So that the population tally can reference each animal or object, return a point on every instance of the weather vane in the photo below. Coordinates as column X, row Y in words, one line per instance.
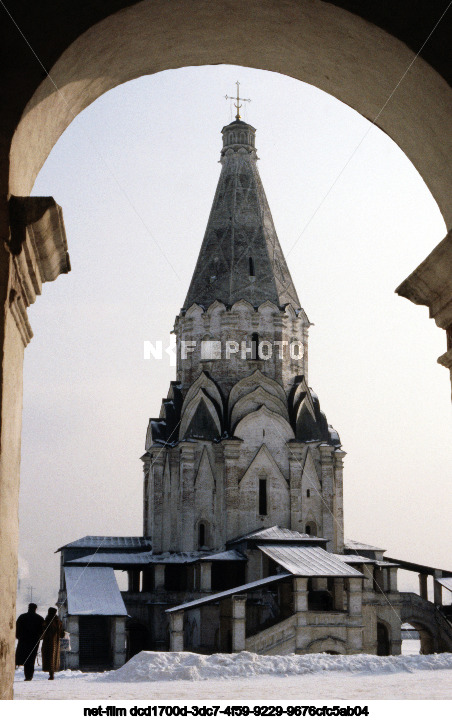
column 237, row 105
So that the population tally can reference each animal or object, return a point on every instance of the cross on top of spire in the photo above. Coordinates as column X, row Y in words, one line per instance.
column 237, row 105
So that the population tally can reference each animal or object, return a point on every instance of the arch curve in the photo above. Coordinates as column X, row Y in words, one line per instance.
column 145, row 38
column 327, row 644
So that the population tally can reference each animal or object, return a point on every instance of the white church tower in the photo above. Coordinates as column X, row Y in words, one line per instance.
column 243, row 545
column 241, row 442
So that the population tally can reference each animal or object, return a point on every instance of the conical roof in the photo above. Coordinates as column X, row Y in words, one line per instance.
column 240, row 256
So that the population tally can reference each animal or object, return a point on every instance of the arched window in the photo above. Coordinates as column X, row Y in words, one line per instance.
column 311, row 528
column 251, row 267
column 308, row 530
column 202, row 535
column 262, row 496
column 255, row 346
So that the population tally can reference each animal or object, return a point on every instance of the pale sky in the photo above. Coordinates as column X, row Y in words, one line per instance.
column 135, row 174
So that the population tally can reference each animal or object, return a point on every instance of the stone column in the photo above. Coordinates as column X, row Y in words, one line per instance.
column 176, row 631
column 147, row 494
column 159, row 576
column 225, row 625
column 133, row 576
column 187, row 485
column 34, row 252
column 119, row 641
column 379, row 579
column 238, row 623
column 328, row 524
column 355, row 596
column 338, row 594
column 368, row 571
column 338, row 500
column 319, row 584
column 300, row 593
column 155, row 501
column 392, row 580
column 423, row 586
column 205, row 582
column 73, row 661
column 232, row 474
column 306, row 351
column 437, row 590
column 295, row 453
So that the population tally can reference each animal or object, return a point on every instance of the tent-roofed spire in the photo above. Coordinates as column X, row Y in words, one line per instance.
column 240, row 257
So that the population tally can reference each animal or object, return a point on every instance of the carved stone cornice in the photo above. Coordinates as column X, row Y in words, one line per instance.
column 39, row 250
column 431, row 283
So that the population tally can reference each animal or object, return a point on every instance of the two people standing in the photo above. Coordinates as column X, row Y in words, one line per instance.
column 31, row 628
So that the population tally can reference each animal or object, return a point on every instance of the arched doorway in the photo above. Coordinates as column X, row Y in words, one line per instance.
column 427, row 640
column 383, row 639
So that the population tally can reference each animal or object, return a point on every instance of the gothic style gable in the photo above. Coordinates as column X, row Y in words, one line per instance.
column 263, row 462
column 210, row 388
column 204, row 478
column 254, row 400
column 263, row 494
column 264, row 421
column 308, row 420
column 200, row 418
column 250, row 383
column 311, row 492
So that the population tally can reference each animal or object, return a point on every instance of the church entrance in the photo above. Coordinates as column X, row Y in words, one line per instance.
column 94, row 642
column 383, row 646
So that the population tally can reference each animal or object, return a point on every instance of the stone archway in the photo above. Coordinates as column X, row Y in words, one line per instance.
column 427, row 636
column 328, row 644
column 383, row 639
column 107, row 43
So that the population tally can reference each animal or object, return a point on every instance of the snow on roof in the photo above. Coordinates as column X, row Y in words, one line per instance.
column 110, row 542
column 146, row 558
column 276, row 533
column 93, row 592
column 224, row 556
column 352, row 558
column 445, row 582
column 183, row 557
column 230, row 592
column 357, row 546
column 309, row 561
column 111, row 559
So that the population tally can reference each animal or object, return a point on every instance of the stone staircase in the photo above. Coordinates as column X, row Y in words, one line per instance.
column 427, row 617
column 278, row 639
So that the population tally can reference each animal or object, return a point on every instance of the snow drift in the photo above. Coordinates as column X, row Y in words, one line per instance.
column 172, row 666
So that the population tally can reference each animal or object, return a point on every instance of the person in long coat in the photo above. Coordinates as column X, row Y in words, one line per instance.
column 28, row 632
column 50, row 651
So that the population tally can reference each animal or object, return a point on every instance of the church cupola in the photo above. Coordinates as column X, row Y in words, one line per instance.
column 238, row 137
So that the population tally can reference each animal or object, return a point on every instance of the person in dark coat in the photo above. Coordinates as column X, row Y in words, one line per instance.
column 28, row 632
column 50, row 651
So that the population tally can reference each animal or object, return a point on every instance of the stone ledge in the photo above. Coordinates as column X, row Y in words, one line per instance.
column 38, row 245
column 431, row 283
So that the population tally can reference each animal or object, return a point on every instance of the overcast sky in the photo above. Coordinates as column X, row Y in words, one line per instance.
column 135, row 174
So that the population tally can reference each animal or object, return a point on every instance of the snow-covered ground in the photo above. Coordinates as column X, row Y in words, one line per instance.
column 245, row 675
column 410, row 646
